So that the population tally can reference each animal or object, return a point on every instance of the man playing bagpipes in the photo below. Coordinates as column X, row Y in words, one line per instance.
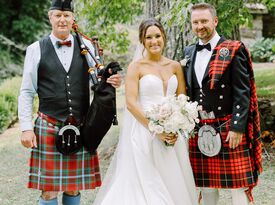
column 57, row 71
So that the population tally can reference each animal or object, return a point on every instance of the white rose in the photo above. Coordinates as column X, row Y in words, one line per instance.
column 155, row 128
column 182, row 97
column 165, row 110
column 184, row 61
column 191, row 108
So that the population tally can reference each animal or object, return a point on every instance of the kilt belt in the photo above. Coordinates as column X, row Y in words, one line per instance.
column 231, row 168
column 53, row 171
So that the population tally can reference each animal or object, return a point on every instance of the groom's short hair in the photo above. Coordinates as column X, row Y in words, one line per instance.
column 203, row 6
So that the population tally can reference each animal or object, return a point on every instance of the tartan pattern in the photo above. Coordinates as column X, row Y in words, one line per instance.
column 52, row 171
column 219, row 63
column 254, row 128
column 231, row 168
column 250, row 155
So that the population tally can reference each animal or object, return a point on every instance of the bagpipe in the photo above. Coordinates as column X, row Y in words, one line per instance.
column 102, row 110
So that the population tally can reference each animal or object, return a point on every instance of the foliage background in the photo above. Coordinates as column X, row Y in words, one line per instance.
column 25, row 21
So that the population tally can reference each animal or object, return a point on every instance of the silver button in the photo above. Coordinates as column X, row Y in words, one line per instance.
column 222, row 85
column 69, row 92
column 70, row 108
column 200, row 100
column 70, row 100
column 68, row 76
column 219, row 108
column 235, row 122
column 221, row 96
column 238, row 114
column 200, row 95
column 68, row 84
column 201, row 90
column 238, row 107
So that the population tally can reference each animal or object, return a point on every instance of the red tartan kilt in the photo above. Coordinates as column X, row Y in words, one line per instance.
column 52, row 171
column 231, row 168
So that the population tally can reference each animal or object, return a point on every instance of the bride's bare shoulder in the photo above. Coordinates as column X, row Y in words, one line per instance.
column 137, row 64
column 171, row 62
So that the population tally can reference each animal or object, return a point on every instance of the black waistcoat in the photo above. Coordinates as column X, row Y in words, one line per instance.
column 218, row 100
column 61, row 93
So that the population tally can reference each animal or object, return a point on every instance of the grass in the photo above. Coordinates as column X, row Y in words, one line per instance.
column 265, row 82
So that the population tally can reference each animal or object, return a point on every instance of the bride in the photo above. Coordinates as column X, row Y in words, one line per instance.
column 144, row 171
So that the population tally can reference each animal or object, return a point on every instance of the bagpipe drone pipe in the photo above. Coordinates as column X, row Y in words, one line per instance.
column 102, row 110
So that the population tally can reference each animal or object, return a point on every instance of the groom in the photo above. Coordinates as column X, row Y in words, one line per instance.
column 226, row 152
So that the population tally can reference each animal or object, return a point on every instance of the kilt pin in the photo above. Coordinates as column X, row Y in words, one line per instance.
column 230, row 168
column 52, row 171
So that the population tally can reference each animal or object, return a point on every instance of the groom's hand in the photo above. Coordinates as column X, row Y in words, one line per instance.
column 234, row 139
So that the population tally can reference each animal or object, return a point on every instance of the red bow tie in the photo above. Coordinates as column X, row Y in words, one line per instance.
column 63, row 43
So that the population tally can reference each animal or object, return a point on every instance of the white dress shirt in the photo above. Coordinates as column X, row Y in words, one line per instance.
column 29, row 81
column 203, row 57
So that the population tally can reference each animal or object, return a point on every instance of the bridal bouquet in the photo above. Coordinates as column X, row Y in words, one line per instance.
column 174, row 114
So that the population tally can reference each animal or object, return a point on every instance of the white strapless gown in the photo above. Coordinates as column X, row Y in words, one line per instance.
column 143, row 170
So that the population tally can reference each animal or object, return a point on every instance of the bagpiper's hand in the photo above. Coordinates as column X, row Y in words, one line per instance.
column 115, row 80
column 234, row 139
column 28, row 139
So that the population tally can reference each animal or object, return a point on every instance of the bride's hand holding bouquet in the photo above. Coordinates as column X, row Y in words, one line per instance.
column 168, row 139
column 173, row 116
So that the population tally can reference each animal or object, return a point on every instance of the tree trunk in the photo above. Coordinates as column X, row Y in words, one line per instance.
column 176, row 38
column 236, row 33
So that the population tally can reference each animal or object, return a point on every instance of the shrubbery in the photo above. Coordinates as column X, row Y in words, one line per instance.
column 263, row 50
column 9, row 91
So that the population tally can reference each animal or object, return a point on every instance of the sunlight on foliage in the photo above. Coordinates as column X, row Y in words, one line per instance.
column 102, row 17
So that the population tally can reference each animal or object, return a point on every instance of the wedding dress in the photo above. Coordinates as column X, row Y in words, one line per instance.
column 143, row 170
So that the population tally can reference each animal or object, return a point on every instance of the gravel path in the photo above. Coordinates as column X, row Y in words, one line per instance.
column 14, row 169
column 14, row 173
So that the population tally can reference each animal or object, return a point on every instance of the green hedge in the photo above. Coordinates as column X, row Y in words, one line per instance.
column 263, row 50
column 9, row 91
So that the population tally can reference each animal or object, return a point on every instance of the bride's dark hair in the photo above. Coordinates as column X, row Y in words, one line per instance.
column 145, row 24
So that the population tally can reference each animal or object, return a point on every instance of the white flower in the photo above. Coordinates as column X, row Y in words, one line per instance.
column 183, row 98
column 172, row 115
column 155, row 127
column 184, row 61
column 165, row 110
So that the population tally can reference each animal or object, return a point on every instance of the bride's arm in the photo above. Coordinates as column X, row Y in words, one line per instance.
column 131, row 92
column 181, row 80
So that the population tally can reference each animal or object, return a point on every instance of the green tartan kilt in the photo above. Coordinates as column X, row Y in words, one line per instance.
column 52, row 171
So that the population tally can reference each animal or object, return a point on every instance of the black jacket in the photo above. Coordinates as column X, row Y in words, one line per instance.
column 232, row 93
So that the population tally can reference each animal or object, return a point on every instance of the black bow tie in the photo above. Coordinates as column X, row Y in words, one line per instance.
column 200, row 47
column 63, row 43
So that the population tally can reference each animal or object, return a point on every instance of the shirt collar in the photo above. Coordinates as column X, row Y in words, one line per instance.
column 213, row 41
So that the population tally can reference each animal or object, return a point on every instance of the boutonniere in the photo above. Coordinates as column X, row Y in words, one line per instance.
column 185, row 61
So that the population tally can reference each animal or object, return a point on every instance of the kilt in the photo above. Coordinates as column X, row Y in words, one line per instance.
column 52, row 171
column 231, row 168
